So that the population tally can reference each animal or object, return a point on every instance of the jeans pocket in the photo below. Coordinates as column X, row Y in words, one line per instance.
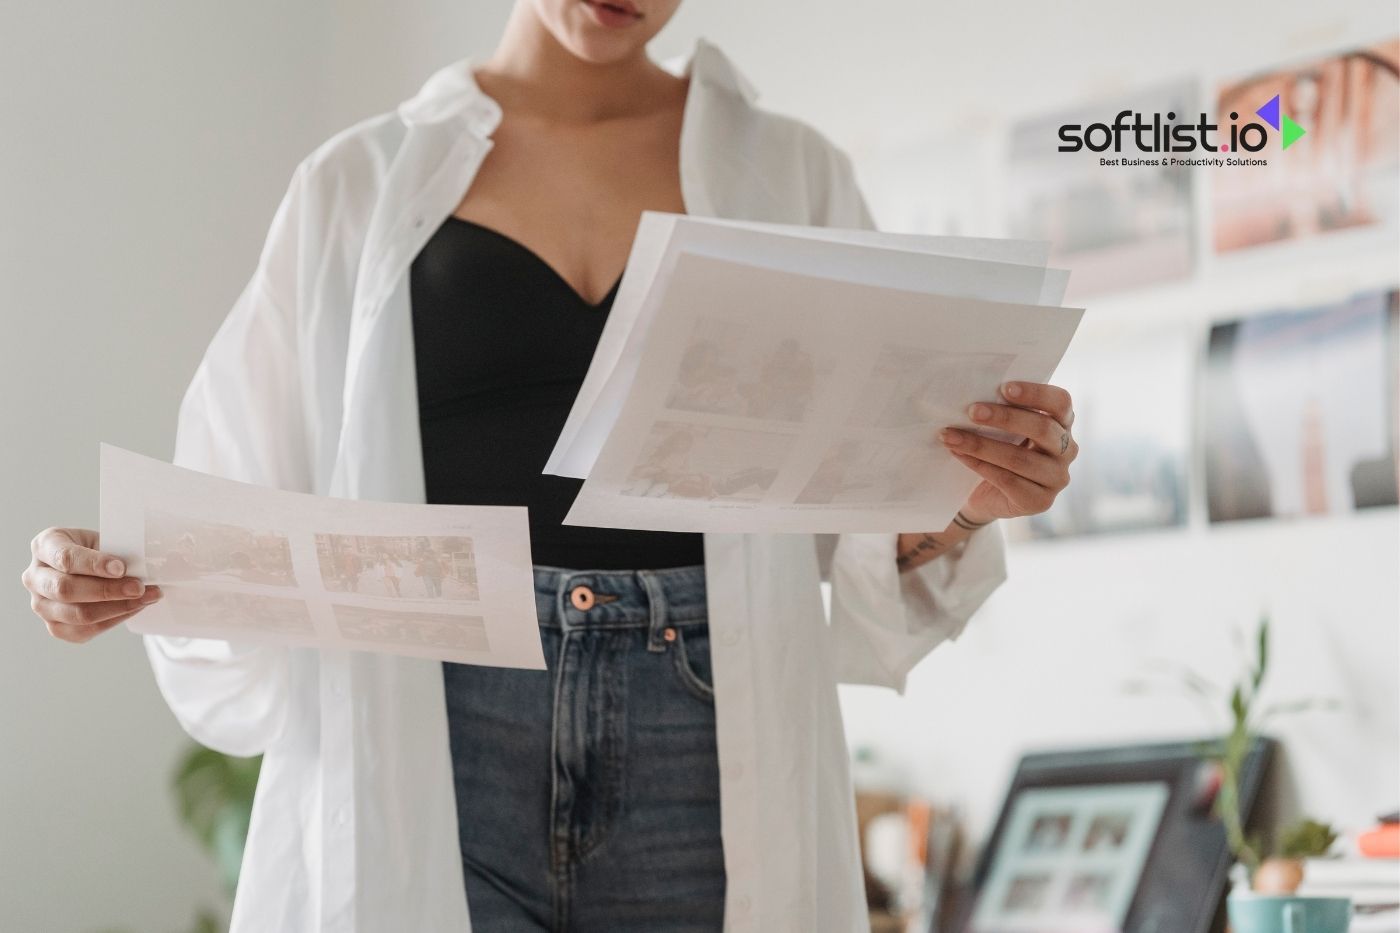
column 691, row 653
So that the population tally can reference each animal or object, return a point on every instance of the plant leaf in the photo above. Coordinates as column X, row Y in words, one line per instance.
column 214, row 797
column 1306, row 839
column 1262, row 664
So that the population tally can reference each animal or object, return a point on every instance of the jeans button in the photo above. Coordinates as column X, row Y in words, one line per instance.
column 582, row 598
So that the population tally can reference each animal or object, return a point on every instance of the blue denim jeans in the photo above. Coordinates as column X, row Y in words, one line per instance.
column 588, row 793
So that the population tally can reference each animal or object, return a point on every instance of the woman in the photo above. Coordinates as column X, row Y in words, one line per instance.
column 419, row 318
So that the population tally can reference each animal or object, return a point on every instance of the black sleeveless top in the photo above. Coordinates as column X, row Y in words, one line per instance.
column 502, row 344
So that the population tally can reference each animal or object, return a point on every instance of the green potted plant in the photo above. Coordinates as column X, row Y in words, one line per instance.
column 1270, row 870
column 1282, row 872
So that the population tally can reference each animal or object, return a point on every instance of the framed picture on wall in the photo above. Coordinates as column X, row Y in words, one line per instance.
column 1117, row 228
column 1341, row 173
column 1299, row 411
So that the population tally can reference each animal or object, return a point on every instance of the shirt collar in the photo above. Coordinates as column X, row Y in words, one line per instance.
column 452, row 90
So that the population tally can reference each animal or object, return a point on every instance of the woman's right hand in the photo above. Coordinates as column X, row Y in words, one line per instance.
column 77, row 590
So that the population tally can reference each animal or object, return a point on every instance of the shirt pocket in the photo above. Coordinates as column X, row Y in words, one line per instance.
column 690, row 653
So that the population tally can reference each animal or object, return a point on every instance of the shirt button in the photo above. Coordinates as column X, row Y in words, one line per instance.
column 417, row 222
column 341, row 816
column 730, row 637
column 582, row 598
column 734, row 770
column 742, row 903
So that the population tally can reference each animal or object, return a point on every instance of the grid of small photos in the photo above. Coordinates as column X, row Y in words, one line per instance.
column 384, row 588
column 1070, row 859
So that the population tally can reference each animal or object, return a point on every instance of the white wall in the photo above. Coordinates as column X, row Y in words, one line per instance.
column 145, row 147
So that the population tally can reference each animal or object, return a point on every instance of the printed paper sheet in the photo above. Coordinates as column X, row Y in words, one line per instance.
column 972, row 267
column 251, row 564
column 772, row 401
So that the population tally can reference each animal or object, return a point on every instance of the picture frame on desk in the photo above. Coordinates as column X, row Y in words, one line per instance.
column 1120, row 839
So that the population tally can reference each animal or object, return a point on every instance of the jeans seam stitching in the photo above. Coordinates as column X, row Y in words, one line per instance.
column 689, row 678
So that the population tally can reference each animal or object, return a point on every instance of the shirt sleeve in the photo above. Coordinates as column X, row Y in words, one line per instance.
column 884, row 622
column 242, row 418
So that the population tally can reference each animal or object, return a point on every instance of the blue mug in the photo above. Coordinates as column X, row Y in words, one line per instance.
column 1262, row 913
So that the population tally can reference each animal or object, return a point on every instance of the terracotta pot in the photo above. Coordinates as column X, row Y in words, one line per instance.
column 1278, row 876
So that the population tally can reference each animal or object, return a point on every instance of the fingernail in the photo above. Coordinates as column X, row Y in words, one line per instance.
column 950, row 437
column 151, row 595
column 133, row 588
column 979, row 412
column 1011, row 390
column 115, row 567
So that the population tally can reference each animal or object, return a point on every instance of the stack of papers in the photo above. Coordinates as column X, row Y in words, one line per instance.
column 1372, row 884
column 768, row 378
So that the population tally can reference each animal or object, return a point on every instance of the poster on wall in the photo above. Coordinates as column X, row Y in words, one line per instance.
column 1338, row 118
column 1299, row 411
column 1117, row 228
column 1131, row 472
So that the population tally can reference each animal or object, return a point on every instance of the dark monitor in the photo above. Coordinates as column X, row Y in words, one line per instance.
column 1110, row 840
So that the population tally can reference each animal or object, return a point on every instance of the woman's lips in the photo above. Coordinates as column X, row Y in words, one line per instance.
column 614, row 14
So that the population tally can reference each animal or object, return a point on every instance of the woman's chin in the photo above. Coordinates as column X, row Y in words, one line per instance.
column 603, row 48
column 597, row 34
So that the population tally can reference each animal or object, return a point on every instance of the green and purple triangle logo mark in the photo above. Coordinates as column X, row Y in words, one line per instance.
column 1291, row 131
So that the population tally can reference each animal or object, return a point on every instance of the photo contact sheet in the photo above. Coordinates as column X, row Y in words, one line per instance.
column 244, row 563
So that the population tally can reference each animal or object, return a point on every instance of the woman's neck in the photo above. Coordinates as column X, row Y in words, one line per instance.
column 531, row 73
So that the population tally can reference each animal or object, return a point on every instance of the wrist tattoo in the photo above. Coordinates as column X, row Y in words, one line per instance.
column 925, row 545
column 967, row 524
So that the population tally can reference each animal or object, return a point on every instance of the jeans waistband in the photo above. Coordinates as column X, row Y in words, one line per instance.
column 650, row 599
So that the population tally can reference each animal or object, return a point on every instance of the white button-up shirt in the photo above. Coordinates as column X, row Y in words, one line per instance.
column 309, row 385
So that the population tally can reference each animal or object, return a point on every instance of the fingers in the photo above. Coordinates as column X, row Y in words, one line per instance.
column 54, row 612
column 1023, row 462
column 1052, row 400
column 80, row 634
column 1025, row 495
column 76, row 589
column 73, row 588
column 73, row 550
column 1045, row 432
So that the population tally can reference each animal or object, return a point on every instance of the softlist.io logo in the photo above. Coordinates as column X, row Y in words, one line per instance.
column 1158, row 134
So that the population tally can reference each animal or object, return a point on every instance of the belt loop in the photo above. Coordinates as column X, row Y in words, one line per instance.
column 561, row 601
column 656, row 604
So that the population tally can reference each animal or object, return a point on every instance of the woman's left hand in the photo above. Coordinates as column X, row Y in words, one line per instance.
column 1017, row 479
